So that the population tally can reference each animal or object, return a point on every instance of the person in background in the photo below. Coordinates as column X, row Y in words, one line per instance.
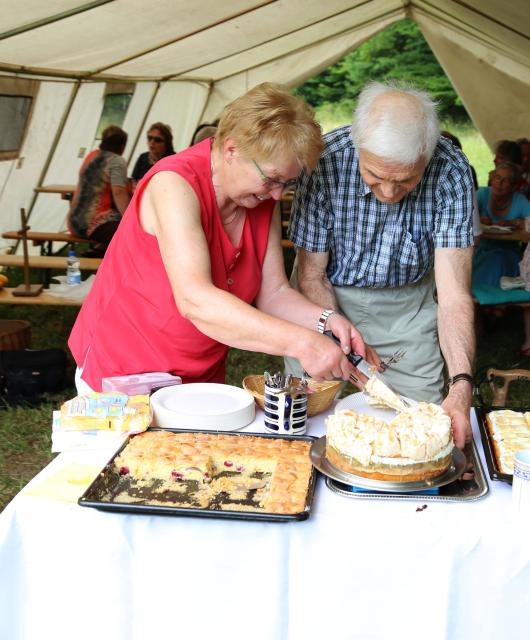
column 477, row 229
column 506, row 151
column 197, row 266
column 502, row 205
column 386, row 214
column 524, row 145
column 457, row 143
column 102, row 193
column 202, row 132
column 160, row 144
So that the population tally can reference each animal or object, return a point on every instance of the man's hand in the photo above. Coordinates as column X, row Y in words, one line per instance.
column 457, row 404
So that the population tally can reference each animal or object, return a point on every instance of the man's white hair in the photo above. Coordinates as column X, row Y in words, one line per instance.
column 396, row 123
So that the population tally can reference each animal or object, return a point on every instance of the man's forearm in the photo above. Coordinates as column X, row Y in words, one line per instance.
column 319, row 291
column 457, row 335
column 312, row 279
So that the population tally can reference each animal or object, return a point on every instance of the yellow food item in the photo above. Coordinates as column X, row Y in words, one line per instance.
column 108, row 411
column 3, row 280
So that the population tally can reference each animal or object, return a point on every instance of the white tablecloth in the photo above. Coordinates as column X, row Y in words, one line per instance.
column 357, row 568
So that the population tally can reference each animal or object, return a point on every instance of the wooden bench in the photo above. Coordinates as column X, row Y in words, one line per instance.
column 45, row 240
column 7, row 297
column 48, row 262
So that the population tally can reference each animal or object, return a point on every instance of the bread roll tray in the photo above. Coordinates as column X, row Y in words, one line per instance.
column 449, row 486
column 109, row 485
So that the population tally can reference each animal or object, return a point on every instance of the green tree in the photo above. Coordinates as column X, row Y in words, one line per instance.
column 400, row 52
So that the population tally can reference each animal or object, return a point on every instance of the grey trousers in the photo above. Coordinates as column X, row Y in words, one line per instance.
column 397, row 318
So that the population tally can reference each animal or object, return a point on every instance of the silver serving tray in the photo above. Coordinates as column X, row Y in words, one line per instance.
column 319, row 460
column 473, row 487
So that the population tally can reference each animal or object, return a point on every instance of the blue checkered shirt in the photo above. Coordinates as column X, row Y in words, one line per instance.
column 373, row 244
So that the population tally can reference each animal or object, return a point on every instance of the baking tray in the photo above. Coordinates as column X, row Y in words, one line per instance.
column 108, row 480
column 472, row 487
column 493, row 469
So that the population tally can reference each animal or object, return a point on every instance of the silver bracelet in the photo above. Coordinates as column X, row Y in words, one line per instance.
column 321, row 324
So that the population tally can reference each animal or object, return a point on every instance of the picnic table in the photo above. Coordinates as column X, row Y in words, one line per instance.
column 45, row 239
column 66, row 191
column 44, row 298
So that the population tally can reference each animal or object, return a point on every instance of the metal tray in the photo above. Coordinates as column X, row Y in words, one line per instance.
column 108, row 480
column 491, row 461
column 447, row 486
column 318, row 458
column 475, row 486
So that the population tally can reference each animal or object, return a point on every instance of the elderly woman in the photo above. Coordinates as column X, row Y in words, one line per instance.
column 160, row 145
column 197, row 266
column 502, row 205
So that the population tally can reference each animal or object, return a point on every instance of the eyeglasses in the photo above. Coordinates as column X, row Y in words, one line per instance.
column 155, row 139
column 502, row 180
column 272, row 182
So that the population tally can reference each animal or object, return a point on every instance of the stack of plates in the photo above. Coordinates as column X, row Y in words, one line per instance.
column 202, row 405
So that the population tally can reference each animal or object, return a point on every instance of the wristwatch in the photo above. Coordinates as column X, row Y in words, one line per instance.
column 322, row 321
column 461, row 376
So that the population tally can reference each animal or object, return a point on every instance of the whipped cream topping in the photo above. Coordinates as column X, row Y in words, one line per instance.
column 418, row 434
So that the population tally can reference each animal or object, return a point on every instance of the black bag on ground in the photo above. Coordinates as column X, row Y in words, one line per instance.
column 27, row 373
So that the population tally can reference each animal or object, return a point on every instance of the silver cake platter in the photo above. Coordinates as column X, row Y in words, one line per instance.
column 319, row 460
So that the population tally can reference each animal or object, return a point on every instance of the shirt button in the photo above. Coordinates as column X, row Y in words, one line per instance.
column 238, row 254
column 230, row 281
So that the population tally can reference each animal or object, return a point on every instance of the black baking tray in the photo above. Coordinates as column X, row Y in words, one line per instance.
column 493, row 469
column 108, row 480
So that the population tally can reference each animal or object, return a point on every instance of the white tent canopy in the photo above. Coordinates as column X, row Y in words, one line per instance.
column 183, row 60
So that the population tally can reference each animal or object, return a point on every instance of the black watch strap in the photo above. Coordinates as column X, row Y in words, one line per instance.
column 461, row 376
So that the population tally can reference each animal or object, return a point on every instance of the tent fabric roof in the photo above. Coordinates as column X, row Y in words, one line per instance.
column 208, row 40
column 230, row 46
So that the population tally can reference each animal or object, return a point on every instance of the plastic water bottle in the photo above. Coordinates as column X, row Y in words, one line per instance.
column 73, row 274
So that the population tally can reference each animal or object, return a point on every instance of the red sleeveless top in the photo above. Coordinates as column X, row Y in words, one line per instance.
column 129, row 322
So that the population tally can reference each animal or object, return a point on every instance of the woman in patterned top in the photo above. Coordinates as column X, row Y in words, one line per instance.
column 102, row 193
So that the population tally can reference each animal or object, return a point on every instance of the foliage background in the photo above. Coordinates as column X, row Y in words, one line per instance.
column 398, row 53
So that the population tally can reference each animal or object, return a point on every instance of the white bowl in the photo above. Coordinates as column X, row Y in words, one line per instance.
column 202, row 405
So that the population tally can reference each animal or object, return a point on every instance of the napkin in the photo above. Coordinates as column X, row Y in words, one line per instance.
column 80, row 440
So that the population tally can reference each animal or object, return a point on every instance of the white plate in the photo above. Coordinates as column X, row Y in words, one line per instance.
column 358, row 402
column 202, row 405
column 493, row 228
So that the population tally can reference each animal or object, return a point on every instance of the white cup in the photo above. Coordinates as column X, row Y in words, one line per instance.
column 521, row 483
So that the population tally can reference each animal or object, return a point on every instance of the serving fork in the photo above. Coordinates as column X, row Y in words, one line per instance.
column 395, row 357
column 360, row 363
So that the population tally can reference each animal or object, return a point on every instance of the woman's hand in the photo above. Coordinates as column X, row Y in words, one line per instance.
column 350, row 338
column 322, row 358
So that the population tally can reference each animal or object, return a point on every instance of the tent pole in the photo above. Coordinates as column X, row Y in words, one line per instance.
column 60, row 130
column 144, row 119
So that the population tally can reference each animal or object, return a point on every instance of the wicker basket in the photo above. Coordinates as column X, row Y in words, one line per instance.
column 319, row 399
column 14, row 335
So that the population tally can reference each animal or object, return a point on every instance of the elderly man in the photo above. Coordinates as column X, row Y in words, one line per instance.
column 385, row 217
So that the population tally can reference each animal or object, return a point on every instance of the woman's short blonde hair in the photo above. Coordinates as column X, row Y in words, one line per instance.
column 268, row 123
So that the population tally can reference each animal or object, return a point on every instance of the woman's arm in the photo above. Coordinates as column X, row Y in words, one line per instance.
column 169, row 209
